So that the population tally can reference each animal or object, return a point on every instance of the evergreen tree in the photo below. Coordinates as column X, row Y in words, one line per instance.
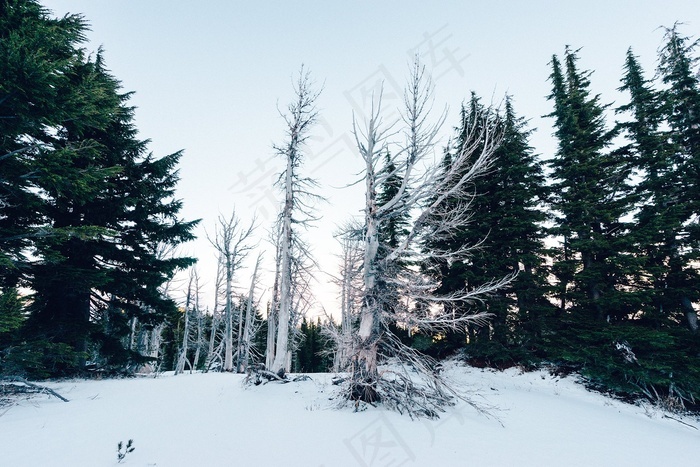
column 507, row 219
column 37, row 56
column 390, row 234
column 82, row 195
column 590, row 195
column 72, row 172
column 314, row 354
column 511, row 204
column 638, row 350
column 451, row 275
column 681, row 107
column 658, row 219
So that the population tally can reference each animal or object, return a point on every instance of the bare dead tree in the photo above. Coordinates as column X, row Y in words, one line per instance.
column 349, row 283
column 303, row 300
column 296, row 210
column 199, row 331
column 146, row 338
column 216, row 333
column 232, row 240
column 273, row 306
column 411, row 384
column 193, row 326
column 192, row 291
column 247, row 333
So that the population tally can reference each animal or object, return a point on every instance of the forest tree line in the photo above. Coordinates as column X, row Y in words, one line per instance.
column 590, row 254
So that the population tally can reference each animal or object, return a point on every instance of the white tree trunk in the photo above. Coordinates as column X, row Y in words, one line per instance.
column 271, row 336
column 302, row 114
column 182, row 358
column 231, row 241
column 364, row 364
column 215, row 318
column 132, row 333
column 284, row 314
column 249, row 312
column 200, row 324
column 228, row 317
column 272, row 315
column 154, row 342
column 347, row 304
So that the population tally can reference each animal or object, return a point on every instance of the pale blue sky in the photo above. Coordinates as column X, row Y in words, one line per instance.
column 209, row 75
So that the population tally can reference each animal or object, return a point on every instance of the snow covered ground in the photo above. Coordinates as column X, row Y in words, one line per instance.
column 212, row 420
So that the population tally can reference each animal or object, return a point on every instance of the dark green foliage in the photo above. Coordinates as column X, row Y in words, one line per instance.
column 678, row 67
column 506, row 221
column 37, row 55
column 630, row 360
column 590, row 196
column 395, row 228
column 122, row 450
column 664, row 195
column 80, row 194
column 626, row 220
column 625, row 287
column 171, row 339
column 39, row 358
column 315, row 353
column 11, row 312
column 656, row 219
column 259, row 341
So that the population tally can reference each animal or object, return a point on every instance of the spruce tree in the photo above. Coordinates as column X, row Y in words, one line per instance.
column 515, row 244
column 590, row 197
column 678, row 68
column 658, row 218
column 81, row 195
column 72, row 173
column 622, row 342
column 37, row 56
column 390, row 232
column 507, row 220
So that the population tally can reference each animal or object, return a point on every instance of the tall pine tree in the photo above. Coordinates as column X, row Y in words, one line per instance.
column 590, row 196
column 391, row 232
column 37, row 56
column 678, row 68
column 507, row 220
column 658, row 219
column 82, row 196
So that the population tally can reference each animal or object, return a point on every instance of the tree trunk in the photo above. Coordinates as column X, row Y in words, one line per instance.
column 182, row 358
column 200, row 331
column 228, row 337
column 271, row 336
column 690, row 314
column 364, row 361
column 248, row 330
column 215, row 318
column 281, row 347
column 273, row 315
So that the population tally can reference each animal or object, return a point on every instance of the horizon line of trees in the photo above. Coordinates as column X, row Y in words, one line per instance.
column 588, row 260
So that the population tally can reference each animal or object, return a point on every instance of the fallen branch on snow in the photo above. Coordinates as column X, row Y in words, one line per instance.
column 681, row 421
column 36, row 387
column 257, row 373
